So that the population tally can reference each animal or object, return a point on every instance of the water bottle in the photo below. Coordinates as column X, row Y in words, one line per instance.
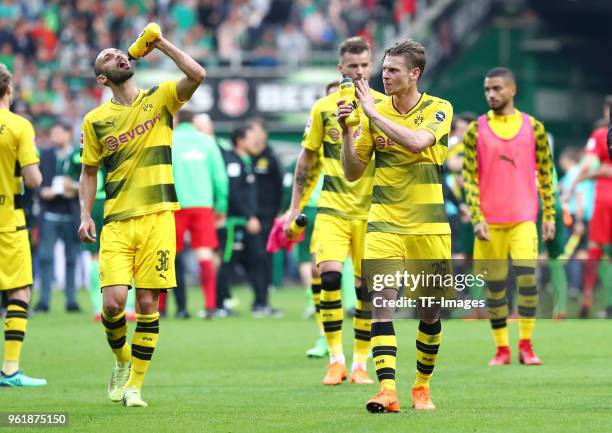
column 150, row 33
column 297, row 226
column 347, row 92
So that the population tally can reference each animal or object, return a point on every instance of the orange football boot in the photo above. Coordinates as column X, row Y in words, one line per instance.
column 421, row 399
column 336, row 373
column 384, row 401
column 360, row 377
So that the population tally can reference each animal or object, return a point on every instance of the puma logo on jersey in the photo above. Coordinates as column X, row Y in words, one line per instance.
column 503, row 157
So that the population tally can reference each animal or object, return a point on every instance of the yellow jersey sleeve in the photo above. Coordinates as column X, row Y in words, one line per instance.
column 544, row 164
column 26, row 150
column 313, row 133
column 168, row 89
column 364, row 145
column 437, row 119
column 91, row 148
column 470, row 173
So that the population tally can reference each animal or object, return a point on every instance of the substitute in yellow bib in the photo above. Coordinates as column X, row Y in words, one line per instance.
column 407, row 224
column 131, row 137
column 342, row 211
column 18, row 163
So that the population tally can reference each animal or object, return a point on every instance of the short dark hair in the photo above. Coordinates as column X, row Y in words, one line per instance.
column 608, row 102
column 501, row 71
column 257, row 121
column 331, row 85
column 413, row 53
column 64, row 124
column 185, row 115
column 97, row 69
column 354, row 45
column 6, row 79
column 238, row 134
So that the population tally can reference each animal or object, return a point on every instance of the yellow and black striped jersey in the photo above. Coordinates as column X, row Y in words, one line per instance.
column 407, row 195
column 134, row 144
column 323, row 134
column 17, row 150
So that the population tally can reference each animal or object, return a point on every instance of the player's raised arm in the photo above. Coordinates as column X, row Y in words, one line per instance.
column 194, row 72
column 352, row 166
column 415, row 140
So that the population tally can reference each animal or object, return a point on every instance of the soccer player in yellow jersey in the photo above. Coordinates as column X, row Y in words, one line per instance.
column 504, row 149
column 342, row 212
column 18, row 162
column 408, row 136
column 131, row 136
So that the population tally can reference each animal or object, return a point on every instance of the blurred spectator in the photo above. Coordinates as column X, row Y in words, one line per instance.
column 580, row 207
column 229, row 36
column 266, row 53
column 210, row 13
column 184, row 15
column 59, row 216
column 199, row 42
column 269, row 181
column 201, row 187
column 240, row 240
column 293, row 45
column 355, row 16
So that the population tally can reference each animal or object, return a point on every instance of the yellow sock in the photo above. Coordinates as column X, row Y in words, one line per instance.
column 143, row 345
column 384, row 351
column 362, row 324
column 116, row 331
column 331, row 311
column 15, row 325
column 526, row 328
column 497, row 306
column 500, row 332
column 316, row 300
column 527, row 300
column 427, row 343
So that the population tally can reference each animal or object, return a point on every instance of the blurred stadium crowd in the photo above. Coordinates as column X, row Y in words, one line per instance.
column 50, row 47
column 50, row 44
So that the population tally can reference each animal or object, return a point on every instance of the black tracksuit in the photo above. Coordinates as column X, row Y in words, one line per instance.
column 238, row 246
column 269, row 180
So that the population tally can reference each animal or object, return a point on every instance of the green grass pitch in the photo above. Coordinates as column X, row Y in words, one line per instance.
column 245, row 375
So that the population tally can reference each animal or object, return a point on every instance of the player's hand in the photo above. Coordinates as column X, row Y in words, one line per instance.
column 481, row 230
column 289, row 216
column 87, row 230
column 548, row 231
column 362, row 91
column 155, row 44
column 343, row 112
column 578, row 228
column 219, row 220
column 464, row 213
column 253, row 226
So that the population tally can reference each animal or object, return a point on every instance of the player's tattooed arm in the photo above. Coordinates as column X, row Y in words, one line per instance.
column 305, row 178
column 306, row 174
